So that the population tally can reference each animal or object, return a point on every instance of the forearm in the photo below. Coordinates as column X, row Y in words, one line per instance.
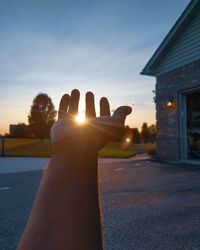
column 66, row 213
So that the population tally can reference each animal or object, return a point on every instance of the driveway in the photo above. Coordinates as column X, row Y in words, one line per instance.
column 26, row 164
column 151, row 205
column 21, row 164
column 145, row 204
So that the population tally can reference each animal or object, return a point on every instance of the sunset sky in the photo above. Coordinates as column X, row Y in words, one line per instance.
column 101, row 46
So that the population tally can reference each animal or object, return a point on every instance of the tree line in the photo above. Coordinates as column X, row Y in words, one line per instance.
column 42, row 116
column 146, row 135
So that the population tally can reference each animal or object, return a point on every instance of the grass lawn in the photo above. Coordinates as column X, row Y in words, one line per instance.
column 27, row 147
column 114, row 149
column 35, row 147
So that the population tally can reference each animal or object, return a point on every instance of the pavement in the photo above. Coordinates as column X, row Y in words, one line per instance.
column 145, row 204
column 21, row 164
column 26, row 164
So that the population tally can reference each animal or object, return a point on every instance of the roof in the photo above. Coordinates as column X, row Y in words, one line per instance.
column 171, row 37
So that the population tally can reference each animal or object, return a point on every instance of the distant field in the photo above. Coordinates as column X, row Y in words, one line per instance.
column 38, row 148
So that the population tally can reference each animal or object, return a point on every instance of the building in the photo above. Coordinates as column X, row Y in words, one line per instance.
column 20, row 131
column 176, row 66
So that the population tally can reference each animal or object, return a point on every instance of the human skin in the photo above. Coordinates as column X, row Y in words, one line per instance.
column 65, row 213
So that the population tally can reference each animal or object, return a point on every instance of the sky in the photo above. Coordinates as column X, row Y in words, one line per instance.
column 93, row 45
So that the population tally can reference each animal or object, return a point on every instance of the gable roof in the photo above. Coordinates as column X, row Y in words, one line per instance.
column 171, row 37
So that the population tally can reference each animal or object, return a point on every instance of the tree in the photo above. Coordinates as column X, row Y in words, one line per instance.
column 152, row 133
column 136, row 135
column 42, row 116
column 145, row 132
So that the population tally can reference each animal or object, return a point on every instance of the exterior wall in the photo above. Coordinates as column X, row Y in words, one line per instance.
column 185, row 49
column 168, row 86
column 20, row 131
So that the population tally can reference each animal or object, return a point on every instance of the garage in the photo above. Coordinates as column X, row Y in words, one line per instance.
column 176, row 66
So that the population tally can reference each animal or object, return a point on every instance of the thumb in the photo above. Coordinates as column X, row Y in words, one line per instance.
column 121, row 113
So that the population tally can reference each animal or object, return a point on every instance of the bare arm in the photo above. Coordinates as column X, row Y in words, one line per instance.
column 65, row 214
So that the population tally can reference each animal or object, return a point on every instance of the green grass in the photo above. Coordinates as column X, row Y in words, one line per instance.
column 27, row 147
column 114, row 149
column 38, row 148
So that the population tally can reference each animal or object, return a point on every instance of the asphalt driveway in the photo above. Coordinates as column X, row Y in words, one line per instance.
column 145, row 205
column 151, row 205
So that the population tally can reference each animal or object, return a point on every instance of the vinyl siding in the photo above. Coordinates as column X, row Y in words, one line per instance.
column 185, row 49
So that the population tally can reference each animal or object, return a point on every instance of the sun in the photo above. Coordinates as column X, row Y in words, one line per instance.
column 80, row 119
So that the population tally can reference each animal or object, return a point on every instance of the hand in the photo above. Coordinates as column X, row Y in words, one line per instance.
column 66, row 211
column 67, row 135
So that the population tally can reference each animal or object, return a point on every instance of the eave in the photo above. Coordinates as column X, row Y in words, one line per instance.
column 172, row 36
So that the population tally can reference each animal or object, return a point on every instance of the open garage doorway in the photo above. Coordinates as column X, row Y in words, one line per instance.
column 193, row 125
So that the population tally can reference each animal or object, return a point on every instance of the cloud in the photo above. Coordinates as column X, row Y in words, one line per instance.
column 31, row 64
column 47, row 58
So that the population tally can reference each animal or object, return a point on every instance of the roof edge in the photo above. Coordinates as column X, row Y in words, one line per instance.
column 179, row 24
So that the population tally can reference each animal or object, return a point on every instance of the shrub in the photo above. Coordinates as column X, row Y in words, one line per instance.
column 150, row 149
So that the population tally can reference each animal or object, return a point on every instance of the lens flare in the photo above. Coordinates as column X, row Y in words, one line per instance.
column 127, row 139
column 80, row 119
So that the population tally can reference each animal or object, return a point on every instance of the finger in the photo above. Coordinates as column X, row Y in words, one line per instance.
column 74, row 100
column 104, row 107
column 121, row 113
column 90, row 107
column 64, row 104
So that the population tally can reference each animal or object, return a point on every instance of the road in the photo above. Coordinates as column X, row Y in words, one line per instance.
column 145, row 205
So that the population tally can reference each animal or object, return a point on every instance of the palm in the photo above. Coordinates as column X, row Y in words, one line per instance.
column 96, row 132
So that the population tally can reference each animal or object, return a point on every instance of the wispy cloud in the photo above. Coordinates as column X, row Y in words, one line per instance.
column 31, row 64
column 102, row 50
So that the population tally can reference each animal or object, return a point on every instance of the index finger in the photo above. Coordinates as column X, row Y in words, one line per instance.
column 63, row 107
column 74, row 100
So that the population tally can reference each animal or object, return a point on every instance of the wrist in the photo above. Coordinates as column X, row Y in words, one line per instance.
column 74, row 150
column 73, row 157
column 78, row 166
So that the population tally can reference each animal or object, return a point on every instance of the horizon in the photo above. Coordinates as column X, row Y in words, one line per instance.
column 53, row 47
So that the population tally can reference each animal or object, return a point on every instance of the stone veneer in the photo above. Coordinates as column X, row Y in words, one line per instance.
column 168, row 86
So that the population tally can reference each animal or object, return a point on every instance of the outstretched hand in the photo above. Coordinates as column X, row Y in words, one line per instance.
column 66, row 214
column 67, row 135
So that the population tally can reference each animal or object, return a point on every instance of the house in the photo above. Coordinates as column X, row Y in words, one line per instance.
column 176, row 66
column 20, row 130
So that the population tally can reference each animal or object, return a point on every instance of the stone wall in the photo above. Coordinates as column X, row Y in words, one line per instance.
column 168, row 86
